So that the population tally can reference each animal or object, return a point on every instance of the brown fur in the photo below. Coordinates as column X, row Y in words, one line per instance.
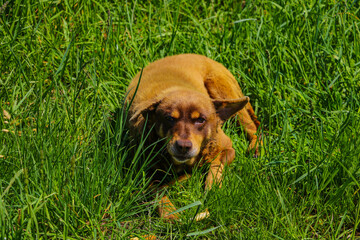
column 187, row 98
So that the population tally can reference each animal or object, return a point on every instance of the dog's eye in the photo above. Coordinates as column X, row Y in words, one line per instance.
column 170, row 119
column 200, row 120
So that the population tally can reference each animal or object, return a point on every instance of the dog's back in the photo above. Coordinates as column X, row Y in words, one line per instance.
column 188, row 71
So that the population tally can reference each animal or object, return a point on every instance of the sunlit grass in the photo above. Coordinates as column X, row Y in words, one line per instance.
column 66, row 172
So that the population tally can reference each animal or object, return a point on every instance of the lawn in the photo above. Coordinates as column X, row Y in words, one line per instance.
column 68, row 172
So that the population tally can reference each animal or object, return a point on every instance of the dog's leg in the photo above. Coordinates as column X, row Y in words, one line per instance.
column 214, row 175
column 250, row 127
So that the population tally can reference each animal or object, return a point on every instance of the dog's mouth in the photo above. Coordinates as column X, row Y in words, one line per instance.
column 184, row 160
column 181, row 158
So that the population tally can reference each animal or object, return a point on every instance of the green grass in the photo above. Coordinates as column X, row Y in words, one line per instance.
column 67, row 174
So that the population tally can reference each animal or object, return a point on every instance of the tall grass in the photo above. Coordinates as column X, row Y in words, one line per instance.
column 67, row 173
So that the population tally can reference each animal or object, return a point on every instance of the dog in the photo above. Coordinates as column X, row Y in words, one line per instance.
column 185, row 99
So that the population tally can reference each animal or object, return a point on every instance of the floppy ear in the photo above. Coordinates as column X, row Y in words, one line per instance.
column 142, row 110
column 225, row 108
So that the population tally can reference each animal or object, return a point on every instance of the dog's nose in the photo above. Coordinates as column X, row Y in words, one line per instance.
column 183, row 146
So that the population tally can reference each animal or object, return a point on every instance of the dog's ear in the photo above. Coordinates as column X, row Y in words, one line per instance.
column 144, row 109
column 225, row 108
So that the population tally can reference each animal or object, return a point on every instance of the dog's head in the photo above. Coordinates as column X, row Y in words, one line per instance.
column 187, row 119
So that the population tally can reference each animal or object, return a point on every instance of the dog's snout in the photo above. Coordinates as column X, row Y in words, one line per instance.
column 183, row 146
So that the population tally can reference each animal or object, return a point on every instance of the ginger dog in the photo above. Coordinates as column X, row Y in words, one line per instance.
column 186, row 99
